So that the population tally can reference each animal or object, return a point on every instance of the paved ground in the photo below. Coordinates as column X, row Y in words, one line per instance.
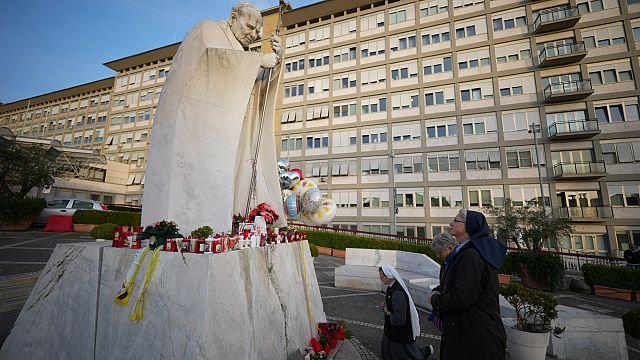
column 22, row 252
column 358, row 309
column 29, row 251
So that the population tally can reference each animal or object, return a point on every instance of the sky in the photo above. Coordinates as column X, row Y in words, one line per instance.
column 50, row 45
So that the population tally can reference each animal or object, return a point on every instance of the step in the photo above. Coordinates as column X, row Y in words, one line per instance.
column 19, row 279
column 18, row 291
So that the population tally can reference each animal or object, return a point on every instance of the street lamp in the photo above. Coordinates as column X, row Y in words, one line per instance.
column 394, row 213
column 535, row 129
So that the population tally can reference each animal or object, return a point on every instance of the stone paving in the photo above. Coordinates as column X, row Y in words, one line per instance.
column 29, row 251
column 359, row 309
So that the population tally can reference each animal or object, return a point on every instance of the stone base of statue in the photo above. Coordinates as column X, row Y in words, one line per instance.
column 259, row 303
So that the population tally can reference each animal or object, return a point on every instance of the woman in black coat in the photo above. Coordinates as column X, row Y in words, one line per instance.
column 468, row 304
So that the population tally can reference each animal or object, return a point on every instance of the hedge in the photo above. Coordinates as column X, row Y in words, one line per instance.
column 631, row 323
column 343, row 241
column 314, row 250
column 103, row 231
column 16, row 210
column 612, row 276
column 123, row 218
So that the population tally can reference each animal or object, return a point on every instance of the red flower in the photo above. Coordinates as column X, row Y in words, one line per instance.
column 315, row 344
column 264, row 210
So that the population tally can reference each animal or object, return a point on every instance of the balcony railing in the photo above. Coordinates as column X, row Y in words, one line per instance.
column 568, row 91
column 555, row 19
column 562, row 54
column 587, row 169
column 574, row 129
column 596, row 213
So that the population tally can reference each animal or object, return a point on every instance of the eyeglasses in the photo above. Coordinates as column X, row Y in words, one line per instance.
column 460, row 221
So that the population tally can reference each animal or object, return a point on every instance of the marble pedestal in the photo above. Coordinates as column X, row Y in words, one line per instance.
column 259, row 303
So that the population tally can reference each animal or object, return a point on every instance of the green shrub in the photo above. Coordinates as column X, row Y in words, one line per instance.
column 534, row 309
column 14, row 210
column 314, row 250
column 103, row 231
column 343, row 241
column 631, row 322
column 612, row 276
column 543, row 267
column 202, row 232
column 507, row 266
column 124, row 218
column 90, row 217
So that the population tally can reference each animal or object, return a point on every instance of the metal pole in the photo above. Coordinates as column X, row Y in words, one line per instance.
column 535, row 129
column 395, row 195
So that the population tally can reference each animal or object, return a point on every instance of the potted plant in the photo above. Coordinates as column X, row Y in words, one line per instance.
column 529, row 338
column 530, row 228
column 202, row 232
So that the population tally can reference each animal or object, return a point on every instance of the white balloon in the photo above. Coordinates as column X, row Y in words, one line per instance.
column 325, row 214
column 302, row 186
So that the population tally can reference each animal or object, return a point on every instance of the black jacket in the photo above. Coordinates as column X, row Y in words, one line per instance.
column 397, row 326
column 469, row 309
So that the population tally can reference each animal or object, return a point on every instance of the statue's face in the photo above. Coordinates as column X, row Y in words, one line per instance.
column 246, row 27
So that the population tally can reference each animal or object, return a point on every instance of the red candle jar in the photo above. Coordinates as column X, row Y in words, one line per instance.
column 200, row 245
column 216, row 246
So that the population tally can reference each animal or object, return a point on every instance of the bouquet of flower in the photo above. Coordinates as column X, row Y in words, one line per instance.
column 331, row 333
column 264, row 210
column 161, row 230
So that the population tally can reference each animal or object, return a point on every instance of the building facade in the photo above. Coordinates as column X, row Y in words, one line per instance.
column 431, row 100
column 435, row 100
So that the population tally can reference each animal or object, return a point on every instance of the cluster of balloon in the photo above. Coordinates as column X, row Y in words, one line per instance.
column 305, row 201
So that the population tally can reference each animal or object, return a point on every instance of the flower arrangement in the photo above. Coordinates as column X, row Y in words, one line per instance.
column 329, row 335
column 264, row 210
column 161, row 230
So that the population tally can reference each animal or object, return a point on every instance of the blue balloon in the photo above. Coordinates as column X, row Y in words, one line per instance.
column 293, row 207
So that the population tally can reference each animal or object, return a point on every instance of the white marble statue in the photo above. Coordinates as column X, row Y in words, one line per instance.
column 206, row 127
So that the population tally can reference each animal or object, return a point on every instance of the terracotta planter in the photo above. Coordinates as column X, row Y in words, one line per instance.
column 324, row 250
column 339, row 253
column 529, row 281
column 16, row 226
column 614, row 293
column 504, row 279
column 83, row 227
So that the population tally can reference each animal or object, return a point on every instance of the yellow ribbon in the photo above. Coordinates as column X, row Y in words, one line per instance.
column 138, row 308
column 122, row 297
column 306, row 285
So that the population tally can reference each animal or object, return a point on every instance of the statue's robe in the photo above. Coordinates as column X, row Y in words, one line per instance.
column 205, row 132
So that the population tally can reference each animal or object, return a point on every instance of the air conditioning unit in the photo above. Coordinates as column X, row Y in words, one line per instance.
column 323, row 179
column 120, row 145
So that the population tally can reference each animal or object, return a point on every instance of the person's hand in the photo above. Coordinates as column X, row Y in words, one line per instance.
column 269, row 60
column 276, row 45
column 433, row 293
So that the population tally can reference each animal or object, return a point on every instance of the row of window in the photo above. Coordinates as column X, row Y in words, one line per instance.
column 611, row 72
column 405, row 15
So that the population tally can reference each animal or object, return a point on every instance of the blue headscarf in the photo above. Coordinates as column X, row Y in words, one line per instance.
column 491, row 250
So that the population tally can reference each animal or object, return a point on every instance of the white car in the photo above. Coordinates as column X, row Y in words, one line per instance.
column 67, row 207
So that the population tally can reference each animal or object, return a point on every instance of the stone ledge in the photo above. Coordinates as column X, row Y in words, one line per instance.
column 247, row 304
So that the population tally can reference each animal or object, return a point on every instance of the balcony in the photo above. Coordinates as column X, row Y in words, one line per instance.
column 585, row 214
column 555, row 19
column 567, row 91
column 562, row 54
column 575, row 129
column 579, row 170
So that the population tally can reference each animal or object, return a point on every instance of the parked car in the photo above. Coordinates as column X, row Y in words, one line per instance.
column 67, row 207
